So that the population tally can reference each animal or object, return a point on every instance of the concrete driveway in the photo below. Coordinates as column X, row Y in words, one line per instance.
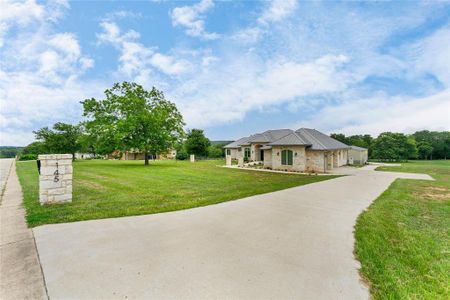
column 295, row 243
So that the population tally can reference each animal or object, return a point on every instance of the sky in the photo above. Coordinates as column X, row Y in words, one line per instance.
column 233, row 68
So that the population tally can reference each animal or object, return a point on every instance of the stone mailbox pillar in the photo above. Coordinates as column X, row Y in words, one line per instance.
column 228, row 160
column 192, row 158
column 55, row 179
column 240, row 162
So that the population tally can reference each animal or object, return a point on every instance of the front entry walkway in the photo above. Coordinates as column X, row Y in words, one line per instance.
column 296, row 243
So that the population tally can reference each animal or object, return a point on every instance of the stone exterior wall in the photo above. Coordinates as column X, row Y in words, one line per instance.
column 299, row 158
column 359, row 157
column 267, row 158
column 315, row 161
column 233, row 153
column 55, row 180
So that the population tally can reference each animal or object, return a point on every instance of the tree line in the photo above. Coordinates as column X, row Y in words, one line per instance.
column 394, row 146
column 129, row 118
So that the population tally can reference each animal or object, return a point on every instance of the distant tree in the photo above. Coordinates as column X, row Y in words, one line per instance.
column 215, row 151
column 10, row 151
column 340, row 137
column 391, row 146
column 131, row 117
column 439, row 141
column 412, row 148
column 425, row 150
column 35, row 148
column 196, row 142
column 62, row 139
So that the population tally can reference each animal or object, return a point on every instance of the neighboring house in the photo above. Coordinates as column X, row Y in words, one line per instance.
column 84, row 155
column 303, row 150
column 357, row 155
column 137, row 155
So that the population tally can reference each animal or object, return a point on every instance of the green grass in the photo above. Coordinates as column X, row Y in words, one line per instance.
column 403, row 239
column 106, row 189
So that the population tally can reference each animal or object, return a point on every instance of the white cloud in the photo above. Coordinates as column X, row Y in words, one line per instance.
column 277, row 10
column 383, row 113
column 229, row 93
column 191, row 18
column 39, row 76
column 135, row 58
column 434, row 55
column 21, row 12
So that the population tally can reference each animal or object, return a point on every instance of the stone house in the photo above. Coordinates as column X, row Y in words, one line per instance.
column 357, row 155
column 302, row 150
column 138, row 155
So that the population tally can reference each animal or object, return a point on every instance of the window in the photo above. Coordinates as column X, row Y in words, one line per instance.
column 228, row 152
column 286, row 157
column 247, row 152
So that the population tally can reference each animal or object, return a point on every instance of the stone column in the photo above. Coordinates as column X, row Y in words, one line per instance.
column 240, row 161
column 55, row 180
column 192, row 158
column 228, row 160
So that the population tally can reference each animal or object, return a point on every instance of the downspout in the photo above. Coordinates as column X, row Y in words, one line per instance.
column 324, row 163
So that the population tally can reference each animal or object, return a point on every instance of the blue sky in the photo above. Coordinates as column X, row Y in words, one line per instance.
column 232, row 67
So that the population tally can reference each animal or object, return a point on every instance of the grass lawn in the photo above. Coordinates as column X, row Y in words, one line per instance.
column 106, row 189
column 403, row 239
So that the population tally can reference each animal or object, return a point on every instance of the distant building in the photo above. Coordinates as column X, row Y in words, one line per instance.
column 138, row 155
column 357, row 155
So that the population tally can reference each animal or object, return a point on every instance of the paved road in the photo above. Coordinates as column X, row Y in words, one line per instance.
column 295, row 243
column 5, row 165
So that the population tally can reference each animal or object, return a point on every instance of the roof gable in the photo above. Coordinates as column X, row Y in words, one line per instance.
column 319, row 140
column 290, row 139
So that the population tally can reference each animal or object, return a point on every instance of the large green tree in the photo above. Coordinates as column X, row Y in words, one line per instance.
column 197, row 143
column 425, row 150
column 63, row 138
column 439, row 141
column 131, row 117
column 391, row 146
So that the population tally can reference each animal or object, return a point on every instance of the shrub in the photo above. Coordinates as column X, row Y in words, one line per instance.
column 28, row 157
column 182, row 155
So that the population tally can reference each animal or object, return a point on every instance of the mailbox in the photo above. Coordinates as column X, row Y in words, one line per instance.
column 39, row 166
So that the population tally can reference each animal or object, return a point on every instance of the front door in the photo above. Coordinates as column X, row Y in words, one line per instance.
column 262, row 155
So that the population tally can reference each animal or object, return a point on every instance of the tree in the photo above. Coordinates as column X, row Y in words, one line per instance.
column 391, row 146
column 35, row 148
column 439, row 141
column 425, row 150
column 340, row 137
column 215, row 151
column 131, row 117
column 62, row 139
column 411, row 148
column 196, row 142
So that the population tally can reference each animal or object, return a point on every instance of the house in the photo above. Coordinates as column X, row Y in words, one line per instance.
column 302, row 150
column 138, row 155
column 357, row 155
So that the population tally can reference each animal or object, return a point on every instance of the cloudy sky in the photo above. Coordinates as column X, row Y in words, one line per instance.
column 233, row 68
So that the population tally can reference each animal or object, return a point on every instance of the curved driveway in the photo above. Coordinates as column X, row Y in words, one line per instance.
column 294, row 243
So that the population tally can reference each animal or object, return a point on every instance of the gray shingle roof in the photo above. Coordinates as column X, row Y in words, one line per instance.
column 319, row 140
column 290, row 139
column 269, row 135
column 312, row 138
column 237, row 143
column 358, row 148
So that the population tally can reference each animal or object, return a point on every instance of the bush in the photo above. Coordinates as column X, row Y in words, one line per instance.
column 182, row 155
column 215, row 152
column 28, row 157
